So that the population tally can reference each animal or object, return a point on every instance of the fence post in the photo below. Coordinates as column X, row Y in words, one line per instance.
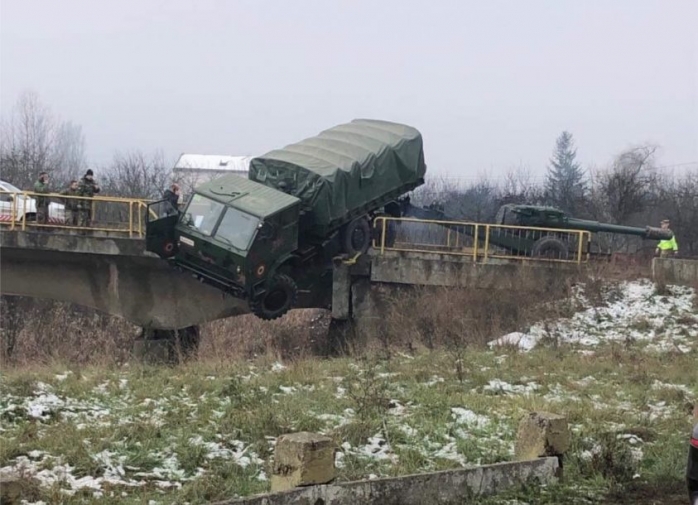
column 476, row 238
column 383, row 235
column 487, row 243
column 130, row 219
column 140, row 221
column 24, row 213
column 13, row 212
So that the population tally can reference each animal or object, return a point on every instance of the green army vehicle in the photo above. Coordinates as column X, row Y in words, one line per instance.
column 274, row 235
column 536, row 236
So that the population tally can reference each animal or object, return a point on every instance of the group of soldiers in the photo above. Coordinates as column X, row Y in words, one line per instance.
column 78, row 211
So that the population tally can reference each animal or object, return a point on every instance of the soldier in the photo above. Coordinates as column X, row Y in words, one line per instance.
column 172, row 195
column 42, row 202
column 664, row 247
column 87, row 188
column 72, row 205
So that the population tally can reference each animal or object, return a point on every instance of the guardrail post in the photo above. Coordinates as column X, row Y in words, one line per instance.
column 140, row 218
column 24, row 213
column 383, row 235
column 487, row 243
column 13, row 212
column 579, row 249
column 476, row 239
column 130, row 219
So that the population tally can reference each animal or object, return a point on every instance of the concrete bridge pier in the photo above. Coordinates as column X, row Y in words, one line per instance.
column 364, row 292
column 157, row 346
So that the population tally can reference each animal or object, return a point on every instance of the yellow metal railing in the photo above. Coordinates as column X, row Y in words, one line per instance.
column 18, row 211
column 480, row 241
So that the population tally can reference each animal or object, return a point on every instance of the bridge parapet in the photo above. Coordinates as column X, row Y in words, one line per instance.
column 103, row 214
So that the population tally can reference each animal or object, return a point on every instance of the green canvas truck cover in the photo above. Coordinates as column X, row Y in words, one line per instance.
column 346, row 167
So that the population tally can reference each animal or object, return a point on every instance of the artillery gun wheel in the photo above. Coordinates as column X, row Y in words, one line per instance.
column 277, row 300
column 356, row 236
column 550, row 247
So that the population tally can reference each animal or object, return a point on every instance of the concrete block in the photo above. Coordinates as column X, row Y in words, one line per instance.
column 302, row 459
column 683, row 271
column 341, row 292
column 541, row 434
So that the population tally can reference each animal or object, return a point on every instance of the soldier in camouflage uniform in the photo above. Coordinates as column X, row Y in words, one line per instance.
column 87, row 188
column 72, row 206
column 42, row 202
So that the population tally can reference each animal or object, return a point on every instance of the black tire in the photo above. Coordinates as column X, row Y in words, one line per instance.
column 278, row 299
column 550, row 247
column 356, row 236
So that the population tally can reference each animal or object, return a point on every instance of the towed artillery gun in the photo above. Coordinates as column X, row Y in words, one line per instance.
column 532, row 229
column 271, row 237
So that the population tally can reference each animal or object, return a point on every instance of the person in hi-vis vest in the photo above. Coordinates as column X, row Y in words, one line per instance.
column 667, row 247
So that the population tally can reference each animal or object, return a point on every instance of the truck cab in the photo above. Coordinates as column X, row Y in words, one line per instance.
column 236, row 235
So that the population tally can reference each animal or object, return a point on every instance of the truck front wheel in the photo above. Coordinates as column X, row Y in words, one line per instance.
column 356, row 236
column 277, row 300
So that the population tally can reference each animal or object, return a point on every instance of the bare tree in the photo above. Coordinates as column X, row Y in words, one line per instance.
column 520, row 188
column 33, row 140
column 622, row 193
column 135, row 174
column 625, row 189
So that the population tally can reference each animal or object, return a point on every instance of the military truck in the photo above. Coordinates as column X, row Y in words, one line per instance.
column 270, row 236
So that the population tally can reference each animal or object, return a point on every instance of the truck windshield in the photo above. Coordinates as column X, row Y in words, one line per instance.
column 237, row 228
column 202, row 214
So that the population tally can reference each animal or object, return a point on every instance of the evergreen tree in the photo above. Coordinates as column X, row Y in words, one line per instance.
column 565, row 185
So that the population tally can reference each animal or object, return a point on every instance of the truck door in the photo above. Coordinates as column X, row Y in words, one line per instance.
column 161, row 220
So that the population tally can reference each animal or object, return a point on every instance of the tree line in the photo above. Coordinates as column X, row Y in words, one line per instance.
column 631, row 190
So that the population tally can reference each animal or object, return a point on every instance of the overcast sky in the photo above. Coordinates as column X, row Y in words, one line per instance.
column 490, row 84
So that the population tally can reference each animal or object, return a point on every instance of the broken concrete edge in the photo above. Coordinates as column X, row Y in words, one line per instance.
column 675, row 270
column 448, row 486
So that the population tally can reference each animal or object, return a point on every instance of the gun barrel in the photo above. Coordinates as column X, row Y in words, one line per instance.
column 648, row 232
column 654, row 233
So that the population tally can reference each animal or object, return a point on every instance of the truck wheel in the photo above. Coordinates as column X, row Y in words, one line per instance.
column 550, row 247
column 356, row 237
column 277, row 300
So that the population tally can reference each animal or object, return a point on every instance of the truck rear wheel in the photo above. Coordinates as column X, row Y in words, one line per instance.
column 550, row 247
column 277, row 300
column 356, row 236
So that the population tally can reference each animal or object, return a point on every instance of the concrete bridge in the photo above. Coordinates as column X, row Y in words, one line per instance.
column 116, row 275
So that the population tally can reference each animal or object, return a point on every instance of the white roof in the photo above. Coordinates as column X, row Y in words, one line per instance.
column 213, row 162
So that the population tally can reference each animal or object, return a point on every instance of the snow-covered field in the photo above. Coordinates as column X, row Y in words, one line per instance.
column 632, row 312
column 202, row 432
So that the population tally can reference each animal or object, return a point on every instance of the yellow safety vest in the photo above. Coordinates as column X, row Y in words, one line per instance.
column 665, row 245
